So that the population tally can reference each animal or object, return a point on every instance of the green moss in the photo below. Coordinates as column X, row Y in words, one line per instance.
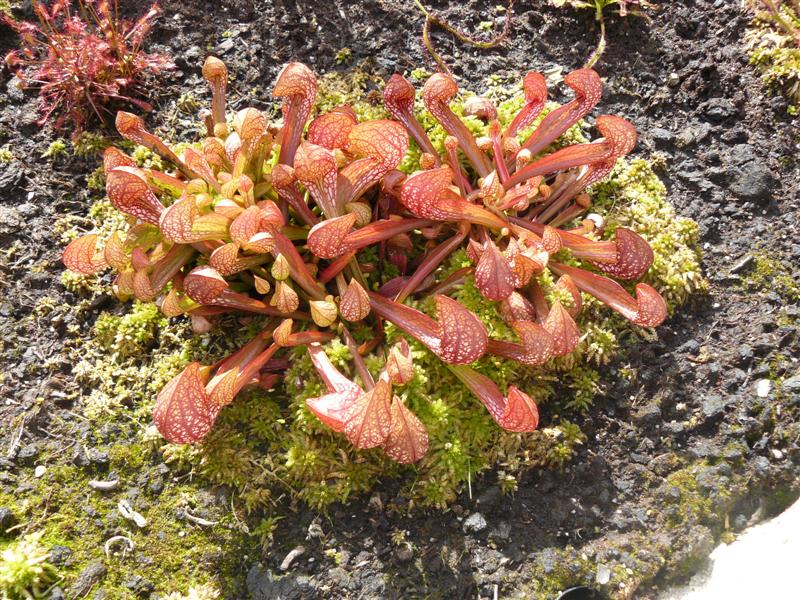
column 132, row 333
column 55, row 150
column 639, row 202
column 6, row 156
column 771, row 273
column 147, row 159
column 202, row 592
column 89, row 144
column 24, row 570
column 343, row 56
column 173, row 553
column 774, row 52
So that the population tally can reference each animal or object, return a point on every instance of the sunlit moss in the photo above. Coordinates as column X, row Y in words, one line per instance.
column 774, row 51
column 88, row 144
column 131, row 333
column 634, row 197
column 56, row 149
column 202, row 592
column 24, row 571
column 6, row 155
column 770, row 273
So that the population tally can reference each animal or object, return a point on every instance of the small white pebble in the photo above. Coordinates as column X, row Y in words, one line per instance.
column 763, row 388
column 777, row 454
column 39, row 470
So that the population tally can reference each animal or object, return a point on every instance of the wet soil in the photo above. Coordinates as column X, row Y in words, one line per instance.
column 682, row 77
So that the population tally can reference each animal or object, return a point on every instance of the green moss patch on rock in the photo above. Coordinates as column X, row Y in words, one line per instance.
column 775, row 53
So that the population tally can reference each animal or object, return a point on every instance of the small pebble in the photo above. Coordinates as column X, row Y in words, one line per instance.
column 603, row 574
column 39, row 470
column 763, row 388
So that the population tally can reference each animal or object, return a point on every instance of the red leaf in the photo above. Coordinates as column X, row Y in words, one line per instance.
column 198, row 163
column 648, row 309
column 588, row 88
column 253, row 129
column 517, row 308
column 297, row 268
column 222, row 388
column 297, row 86
column 331, row 241
column 431, row 262
column 114, row 252
column 408, row 439
column 634, row 256
column 381, row 139
column 129, row 192
column 246, row 224
column 437, row 93
column 132, row 127
column 334, row 380
column 536, row 347
column 398, row 97
column 330, row 130
column 354, row 305
column 521, row 414
column 493, row 276
column 331, row 408
column 480, row 107
column 459, row 337
column 82, row 256
column 204, row 285
column 535, row 88
column 570, row 157
column 113, row 158
column 565, row 283
column 249, row 230
column 214, row 152
column 551, row 240
column 143, row 287
column 368, row 420
column 618, row 133
column 381, row 146
column 427, row 194
column 517, row 412
column 563, row 329
column 463, row 337
column 315, row 167
column 327, row 239
column 175, row 303
column 400, row 364
column 226, row 259
column 183, row 413
column 176, row 222
column 651, row 308
column 216, row 74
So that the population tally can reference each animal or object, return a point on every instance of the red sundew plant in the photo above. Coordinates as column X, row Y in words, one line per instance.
column 83, row 61
column 291, row 222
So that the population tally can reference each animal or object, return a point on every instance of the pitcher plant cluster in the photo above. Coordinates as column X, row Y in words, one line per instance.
column 298, row 220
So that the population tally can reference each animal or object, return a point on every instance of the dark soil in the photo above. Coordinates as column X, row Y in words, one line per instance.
column 682, row 77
